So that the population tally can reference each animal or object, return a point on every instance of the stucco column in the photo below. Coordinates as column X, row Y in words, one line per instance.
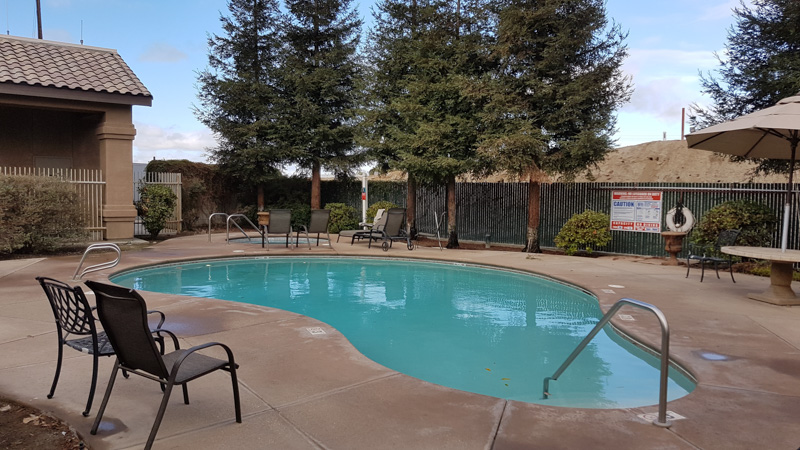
column 116, row 161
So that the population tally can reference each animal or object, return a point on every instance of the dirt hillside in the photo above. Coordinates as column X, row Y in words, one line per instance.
column 658, row 161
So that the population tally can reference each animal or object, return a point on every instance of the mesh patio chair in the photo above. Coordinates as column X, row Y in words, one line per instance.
column 280, row 223
column 389, row 232
column 122, row 313
column 711, row 254
column 378, row 221
column 74, row 317
column 320, row 218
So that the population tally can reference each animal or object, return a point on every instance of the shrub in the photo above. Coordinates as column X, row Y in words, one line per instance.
column 373, row 209
column 343, row 217
column 39, row 214
column 584, row 231
column 156, row 205
column 755, row 220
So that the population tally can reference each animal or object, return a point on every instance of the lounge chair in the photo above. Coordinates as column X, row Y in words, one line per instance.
column 712, row 254
column 280, row 223
column 122, row 313
column 318, row 223
column 391, row 231
column 74, row 317
column 378, row 221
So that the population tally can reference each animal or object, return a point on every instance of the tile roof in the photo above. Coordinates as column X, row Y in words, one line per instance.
column 36, row 62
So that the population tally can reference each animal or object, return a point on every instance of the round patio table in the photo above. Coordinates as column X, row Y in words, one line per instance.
column 780, row 290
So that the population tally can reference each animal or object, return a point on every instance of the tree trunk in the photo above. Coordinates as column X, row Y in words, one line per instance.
column 452, row 240
column 411, row 207
column 316, row 188
column 534, row 191
column 260, row 197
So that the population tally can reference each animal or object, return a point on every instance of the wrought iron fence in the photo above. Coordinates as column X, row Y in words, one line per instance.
column 499, row 210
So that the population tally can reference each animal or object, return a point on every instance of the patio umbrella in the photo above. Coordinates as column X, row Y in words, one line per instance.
column 768, row 133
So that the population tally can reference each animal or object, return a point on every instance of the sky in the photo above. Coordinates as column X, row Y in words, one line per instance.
column 165, row 43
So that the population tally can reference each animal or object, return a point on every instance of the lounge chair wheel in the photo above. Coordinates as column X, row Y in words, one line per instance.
column 385, row 246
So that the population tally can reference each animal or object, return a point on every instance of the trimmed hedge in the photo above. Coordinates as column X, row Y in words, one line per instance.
column 39, row 214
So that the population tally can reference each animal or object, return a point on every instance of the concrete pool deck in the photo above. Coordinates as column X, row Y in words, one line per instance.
column 315, row 391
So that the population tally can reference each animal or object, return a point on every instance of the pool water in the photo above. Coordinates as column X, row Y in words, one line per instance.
column 483, row 330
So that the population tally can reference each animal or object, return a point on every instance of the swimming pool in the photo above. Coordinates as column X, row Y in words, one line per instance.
column 478, row 329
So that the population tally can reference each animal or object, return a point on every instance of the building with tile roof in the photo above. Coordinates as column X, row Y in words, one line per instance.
column 70, row 106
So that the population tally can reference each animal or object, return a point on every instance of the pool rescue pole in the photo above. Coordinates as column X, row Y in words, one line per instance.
column 364, row 198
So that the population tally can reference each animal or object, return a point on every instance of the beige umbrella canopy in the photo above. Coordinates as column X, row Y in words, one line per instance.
column 771, row 133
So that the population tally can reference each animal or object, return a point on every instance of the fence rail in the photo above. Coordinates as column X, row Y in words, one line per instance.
column 88, row 183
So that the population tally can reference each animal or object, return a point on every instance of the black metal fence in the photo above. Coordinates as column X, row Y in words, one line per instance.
column 499, row 210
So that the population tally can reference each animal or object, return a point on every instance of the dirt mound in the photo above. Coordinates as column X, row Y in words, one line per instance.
column 657, row 161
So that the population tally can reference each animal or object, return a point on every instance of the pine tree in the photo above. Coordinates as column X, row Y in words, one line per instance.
column 761, row 66
column 426, row 54
column 550, row 102
column 324, row 80
column 240, row 93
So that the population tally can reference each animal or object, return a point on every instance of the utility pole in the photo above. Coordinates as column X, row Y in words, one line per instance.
column 39, row 16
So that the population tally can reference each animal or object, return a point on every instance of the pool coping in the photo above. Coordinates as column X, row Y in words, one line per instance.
column 355, row 404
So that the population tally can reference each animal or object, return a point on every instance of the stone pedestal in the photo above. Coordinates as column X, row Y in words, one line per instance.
column 673, row 245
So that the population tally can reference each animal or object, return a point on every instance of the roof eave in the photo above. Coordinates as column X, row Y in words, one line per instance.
column 73, row 94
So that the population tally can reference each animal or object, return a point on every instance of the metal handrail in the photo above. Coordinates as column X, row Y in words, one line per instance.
column 209, row 223
column 100, row 266
column 661, row 421
column 228, row 227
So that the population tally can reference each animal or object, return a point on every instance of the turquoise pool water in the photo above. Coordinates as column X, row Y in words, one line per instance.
column 477, row 329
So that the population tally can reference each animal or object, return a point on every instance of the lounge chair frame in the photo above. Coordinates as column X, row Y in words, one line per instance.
column 712, row 254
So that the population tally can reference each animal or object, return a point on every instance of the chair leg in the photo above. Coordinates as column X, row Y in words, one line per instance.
column 702, row 270
column 161, row 409
column 688, row 267
column 236, row 403
column 716, row 268
column 730, row 267
column 105, row 398
column 58, row 367
column 185, row 393
column 93, row 386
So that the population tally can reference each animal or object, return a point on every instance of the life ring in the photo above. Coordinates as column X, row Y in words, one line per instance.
column 687, row 225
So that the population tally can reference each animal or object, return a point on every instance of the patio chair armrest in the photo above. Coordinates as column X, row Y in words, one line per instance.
column 158, row 331
column 161, row 319
column 177, row 365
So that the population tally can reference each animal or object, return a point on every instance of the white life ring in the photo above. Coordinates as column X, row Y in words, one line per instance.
column 686, row 227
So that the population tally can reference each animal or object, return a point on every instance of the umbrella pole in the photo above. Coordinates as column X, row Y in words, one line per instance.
column 787, row 206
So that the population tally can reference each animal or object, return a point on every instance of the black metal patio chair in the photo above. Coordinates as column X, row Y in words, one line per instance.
column 391, row 231
column 73, row 316
column 317, row 224
column 711, row 254
column 122, row 312
column 280, row 223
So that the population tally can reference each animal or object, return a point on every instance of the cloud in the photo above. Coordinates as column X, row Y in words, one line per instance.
column 721, row 11
column 167, row 143
column 162, row 52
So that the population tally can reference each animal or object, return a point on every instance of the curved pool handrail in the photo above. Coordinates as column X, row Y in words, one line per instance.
column 99, row 266
column 228, row 226
column 661, row 421
column 209, row 222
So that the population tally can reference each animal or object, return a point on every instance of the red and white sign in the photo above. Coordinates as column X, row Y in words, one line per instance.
column 636, row 211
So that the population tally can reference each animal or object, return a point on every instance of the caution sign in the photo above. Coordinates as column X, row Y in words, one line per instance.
column 636, row 211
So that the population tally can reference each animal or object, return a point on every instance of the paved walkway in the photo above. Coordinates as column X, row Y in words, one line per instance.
column 303, row 391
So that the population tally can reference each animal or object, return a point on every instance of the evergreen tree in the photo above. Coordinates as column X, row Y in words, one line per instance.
column 323, row 79
column 240, row 93
column 426, row 53
column 761, row 66
column 551, row 100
